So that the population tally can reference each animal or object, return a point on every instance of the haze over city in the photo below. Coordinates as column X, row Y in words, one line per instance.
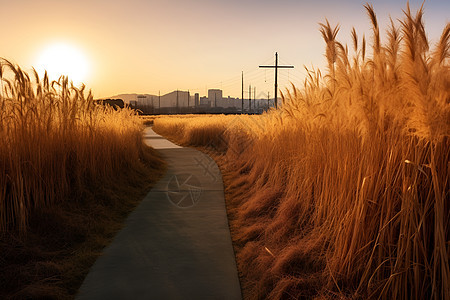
column 159, row 46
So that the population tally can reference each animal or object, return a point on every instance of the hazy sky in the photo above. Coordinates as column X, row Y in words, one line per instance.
column 162, row 45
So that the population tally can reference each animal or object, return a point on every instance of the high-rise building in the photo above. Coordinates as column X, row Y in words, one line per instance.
column 196, row 99
column 215, row 97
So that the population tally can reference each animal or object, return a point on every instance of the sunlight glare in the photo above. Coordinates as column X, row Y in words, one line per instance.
column 63, row 59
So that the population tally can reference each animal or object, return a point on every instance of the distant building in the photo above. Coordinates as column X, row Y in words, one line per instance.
column 215, row 97
column 175, row 99
column 231, row 102
column 204, row 101
column 196, row 99
column 146, row 103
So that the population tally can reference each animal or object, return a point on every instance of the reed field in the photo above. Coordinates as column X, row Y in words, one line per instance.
column 54, row 140
column 70, row 172
column 343, row 192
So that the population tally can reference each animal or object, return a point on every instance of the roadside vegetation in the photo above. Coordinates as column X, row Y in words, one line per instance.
column 343, row 191
column 70, row 172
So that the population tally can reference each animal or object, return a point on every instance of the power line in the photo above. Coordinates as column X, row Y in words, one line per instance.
column 276, row 66
column 254, row 77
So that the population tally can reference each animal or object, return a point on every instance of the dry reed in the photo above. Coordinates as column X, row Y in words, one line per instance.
column 55, row 141
column 343, row 192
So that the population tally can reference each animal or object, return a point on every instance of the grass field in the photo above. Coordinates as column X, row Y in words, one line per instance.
column 343, row 191
column 70, row 172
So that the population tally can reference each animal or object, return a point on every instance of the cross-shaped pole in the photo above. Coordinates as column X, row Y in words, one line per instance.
column 276, row 75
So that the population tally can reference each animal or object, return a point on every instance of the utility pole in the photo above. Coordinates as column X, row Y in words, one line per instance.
column 268, row 100
column 276, row 75
column 188, row 99
column 249, row 98
column 254, row 97
column 242, row 92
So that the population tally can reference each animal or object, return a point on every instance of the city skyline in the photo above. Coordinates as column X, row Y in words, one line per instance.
column 183, row 102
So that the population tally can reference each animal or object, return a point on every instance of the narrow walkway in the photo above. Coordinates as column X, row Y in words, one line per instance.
column 176, row 244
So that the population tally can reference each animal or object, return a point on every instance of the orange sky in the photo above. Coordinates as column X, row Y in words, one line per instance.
column 146, row 46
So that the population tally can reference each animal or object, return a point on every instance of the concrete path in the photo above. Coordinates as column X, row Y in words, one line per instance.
column 176, row 244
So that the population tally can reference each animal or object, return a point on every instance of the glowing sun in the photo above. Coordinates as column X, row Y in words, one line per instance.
column 63, row 59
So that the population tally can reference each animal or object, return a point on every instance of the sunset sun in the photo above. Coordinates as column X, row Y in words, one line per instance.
column 63, row 59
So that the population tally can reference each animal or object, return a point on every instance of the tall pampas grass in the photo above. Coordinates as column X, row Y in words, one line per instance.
column 343, row 191
column 54, row 140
